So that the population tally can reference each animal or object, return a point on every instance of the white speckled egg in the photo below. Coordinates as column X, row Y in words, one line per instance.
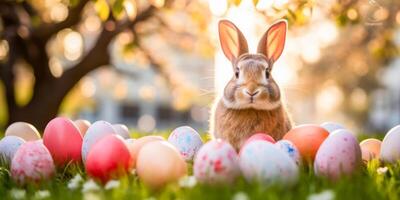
column 332, row 126
column 390, row 147
column 263, row 162
column 95, row 132
column 291, row 150
column 8, row 146
column 32, row 162
column 186, row 140
column 338, row 155
column 216, row 162
column 122, row 130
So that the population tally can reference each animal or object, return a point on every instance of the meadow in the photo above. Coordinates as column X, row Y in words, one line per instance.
column 374, row 181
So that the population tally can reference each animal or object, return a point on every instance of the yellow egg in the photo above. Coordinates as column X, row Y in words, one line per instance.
column 159, row 163
column 135, row 146
column 370, row 149
column 23, row 130
column 82, row 125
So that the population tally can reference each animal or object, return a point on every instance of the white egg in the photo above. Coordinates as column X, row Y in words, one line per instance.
column 216, row 163
column 291, row 150
column 8, row 146
column 94, row 133
column 332, row 126
column 261, row 161
column 186, row 140
column 122, row 130
column 390, row 147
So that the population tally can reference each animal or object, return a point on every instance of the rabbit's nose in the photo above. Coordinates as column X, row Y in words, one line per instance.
column 252, row 93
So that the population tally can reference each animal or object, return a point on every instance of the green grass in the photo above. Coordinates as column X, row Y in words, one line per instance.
column 366, row 184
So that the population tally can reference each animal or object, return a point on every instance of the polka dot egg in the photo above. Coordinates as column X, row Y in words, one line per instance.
column 186, row 140
column 216, row 163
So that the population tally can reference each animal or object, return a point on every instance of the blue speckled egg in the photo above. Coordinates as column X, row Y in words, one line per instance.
column 332, row 126
column 186, row 140
column 291, row 150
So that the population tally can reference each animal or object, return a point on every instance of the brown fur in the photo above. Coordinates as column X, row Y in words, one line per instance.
column 235, row 126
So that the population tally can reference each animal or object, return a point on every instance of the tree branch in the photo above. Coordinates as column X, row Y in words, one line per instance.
column 99, row 55
column 45, row 31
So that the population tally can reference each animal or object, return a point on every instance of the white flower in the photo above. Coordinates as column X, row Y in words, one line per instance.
column 17, row 193
column 382, row 170
column 187, row 182
column 240, row 196
column 324, row 195
column 112, row 184
column 89, row 186
column 42, row 194
column 75, row 182
column 91, row 196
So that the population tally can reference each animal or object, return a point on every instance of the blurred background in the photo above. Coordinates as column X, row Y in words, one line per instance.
column 156, row 64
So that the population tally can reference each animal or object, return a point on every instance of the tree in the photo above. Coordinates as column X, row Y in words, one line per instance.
column 27, row 35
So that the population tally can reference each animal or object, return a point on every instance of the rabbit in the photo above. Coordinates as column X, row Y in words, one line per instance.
column 251, row 101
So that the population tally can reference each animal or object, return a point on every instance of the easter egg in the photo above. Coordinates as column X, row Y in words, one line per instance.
column 9, row 146
column 370, row 149
column 82, row 125
column 159, row 163
column 32, row 162
column 216, row 162
column 332, row 126
column 186, row 140
column 260, row 161
column 64, row 141
column 23, row 130
column 390, row 147
column 122, row 130
column 307, row 138
column 96, row 132
column 260, row 136
column 136, row 145
column 291, row 150
column 339, row 154
column 109, row 158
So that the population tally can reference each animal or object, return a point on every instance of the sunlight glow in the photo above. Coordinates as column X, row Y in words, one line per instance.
column 58, row 12
column 329, row 98
column 146, row 123
column 88, row 87
column 56, row 68
column 218, row 7
column 73, row 45
column 3, row 49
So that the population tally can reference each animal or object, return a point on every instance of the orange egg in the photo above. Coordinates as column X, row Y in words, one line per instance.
column 159, row 163
column 23, row 130
column 307, row 138
column 135, row 146
column 370, row 149
column 82, row 125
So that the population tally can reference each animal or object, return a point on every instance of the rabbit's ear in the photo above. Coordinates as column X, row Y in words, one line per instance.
column 232, row 40
column 273, row 41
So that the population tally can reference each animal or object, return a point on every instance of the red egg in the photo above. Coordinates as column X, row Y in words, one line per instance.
column 109, row 158
column 307, row 138
column 64, row 141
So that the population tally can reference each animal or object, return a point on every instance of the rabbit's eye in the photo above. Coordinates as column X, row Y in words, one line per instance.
column 267, row 74
column 237, row 74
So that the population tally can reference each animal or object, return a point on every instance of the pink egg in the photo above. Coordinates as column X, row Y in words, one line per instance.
column 32, row 162
column 338, row 155
column 216, row 162
column 64, row 141
column 109, row 158
column 259, row 136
